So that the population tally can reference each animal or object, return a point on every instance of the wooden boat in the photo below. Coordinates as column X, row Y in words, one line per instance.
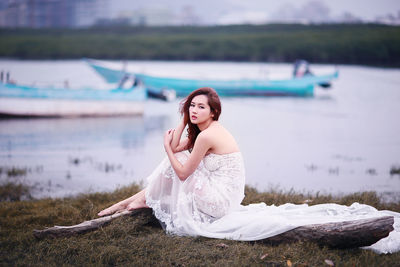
column 298, row 86
column 18, row 100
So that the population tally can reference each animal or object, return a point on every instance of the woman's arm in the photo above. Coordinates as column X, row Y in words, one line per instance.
column 176, row 144
column 201, row 146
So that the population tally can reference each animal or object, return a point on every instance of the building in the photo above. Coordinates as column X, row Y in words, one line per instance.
column 52, row 13
column 89, row 12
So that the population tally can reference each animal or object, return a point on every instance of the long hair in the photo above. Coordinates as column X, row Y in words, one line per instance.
column 215, row 108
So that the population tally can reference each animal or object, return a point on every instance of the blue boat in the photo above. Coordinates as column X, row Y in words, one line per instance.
column 297, row 86
column 19, row 100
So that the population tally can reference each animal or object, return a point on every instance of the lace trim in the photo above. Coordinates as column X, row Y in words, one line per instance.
column 206, row 195
column 163, row 217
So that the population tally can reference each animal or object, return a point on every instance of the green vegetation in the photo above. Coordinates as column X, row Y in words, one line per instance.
column 12, row 189
column 13, row 171
column 14, row 192
column 126, row 241
column 367, row 44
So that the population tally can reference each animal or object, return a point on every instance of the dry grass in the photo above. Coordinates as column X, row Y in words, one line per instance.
column 126, row 241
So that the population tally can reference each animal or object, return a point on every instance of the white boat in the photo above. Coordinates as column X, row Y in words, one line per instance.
column 27, row 101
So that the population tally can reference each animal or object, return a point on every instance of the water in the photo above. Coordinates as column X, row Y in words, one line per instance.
column 340, row 141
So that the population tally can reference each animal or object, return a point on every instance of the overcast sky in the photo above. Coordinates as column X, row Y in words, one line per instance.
column 366, row 9
column 216, row 11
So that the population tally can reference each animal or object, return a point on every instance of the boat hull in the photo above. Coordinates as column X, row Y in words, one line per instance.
column 36, row 107
column 183, row 87
column 48, row 102
column 302, row 86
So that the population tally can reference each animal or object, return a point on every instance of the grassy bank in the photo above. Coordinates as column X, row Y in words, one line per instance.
column 367, row 44
column 126, row 242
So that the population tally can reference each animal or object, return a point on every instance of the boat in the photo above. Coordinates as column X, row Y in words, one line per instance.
column 30, row 101
column 297, row 86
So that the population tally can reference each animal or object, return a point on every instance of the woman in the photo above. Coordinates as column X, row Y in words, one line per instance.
column 198, row 188
column 206, row 183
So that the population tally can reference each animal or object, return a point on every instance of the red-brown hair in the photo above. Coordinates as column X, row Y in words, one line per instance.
column 215, row 108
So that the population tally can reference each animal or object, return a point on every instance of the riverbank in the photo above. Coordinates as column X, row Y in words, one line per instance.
column 127, row 242
column 356, row 44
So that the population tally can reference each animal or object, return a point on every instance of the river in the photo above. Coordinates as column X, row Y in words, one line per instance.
column 342, row 140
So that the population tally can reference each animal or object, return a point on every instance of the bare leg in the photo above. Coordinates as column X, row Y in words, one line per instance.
column 139, row 202
column 122, row 205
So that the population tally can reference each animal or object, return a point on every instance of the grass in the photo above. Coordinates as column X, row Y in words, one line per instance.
column 126, row 241
column 14, row 192
column 13, row 171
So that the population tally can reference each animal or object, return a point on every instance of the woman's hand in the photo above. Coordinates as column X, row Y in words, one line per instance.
column 168, row 136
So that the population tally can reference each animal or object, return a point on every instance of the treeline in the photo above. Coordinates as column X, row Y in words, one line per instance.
column 366, row 44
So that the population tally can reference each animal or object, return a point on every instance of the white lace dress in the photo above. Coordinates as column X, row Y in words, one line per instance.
column 207, row 204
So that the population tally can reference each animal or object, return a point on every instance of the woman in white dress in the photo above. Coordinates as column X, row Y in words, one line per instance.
column 198, row 188
column 203, row 175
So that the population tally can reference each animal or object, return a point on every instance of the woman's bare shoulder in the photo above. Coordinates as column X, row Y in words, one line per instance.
column 205, row 134
column 220, row 139
column 212, row 129
column 215, row 131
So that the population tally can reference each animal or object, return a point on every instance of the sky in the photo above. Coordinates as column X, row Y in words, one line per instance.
column 366, row 9
column 231, row 11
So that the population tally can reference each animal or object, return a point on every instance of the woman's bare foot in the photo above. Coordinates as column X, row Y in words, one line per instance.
column 136, row 201
column 137, row 204
column 111, row 210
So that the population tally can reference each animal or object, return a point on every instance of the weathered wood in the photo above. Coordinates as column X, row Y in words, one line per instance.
column 86, row 226
column 347, row 234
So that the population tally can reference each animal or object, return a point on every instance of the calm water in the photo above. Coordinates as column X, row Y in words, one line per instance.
column 340, row 141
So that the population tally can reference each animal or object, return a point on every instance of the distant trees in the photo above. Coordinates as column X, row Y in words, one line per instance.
column 366, row 44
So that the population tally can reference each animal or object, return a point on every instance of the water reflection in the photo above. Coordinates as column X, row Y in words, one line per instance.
column 342, row 140
column 65, row 156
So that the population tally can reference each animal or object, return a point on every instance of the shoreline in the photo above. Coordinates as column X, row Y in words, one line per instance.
column 125, row 242
column 19, row 191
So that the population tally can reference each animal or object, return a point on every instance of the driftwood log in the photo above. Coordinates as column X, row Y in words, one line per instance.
column 87, row 226
column 346, row 234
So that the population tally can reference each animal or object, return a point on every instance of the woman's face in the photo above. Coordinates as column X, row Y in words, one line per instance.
column 199, row 110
